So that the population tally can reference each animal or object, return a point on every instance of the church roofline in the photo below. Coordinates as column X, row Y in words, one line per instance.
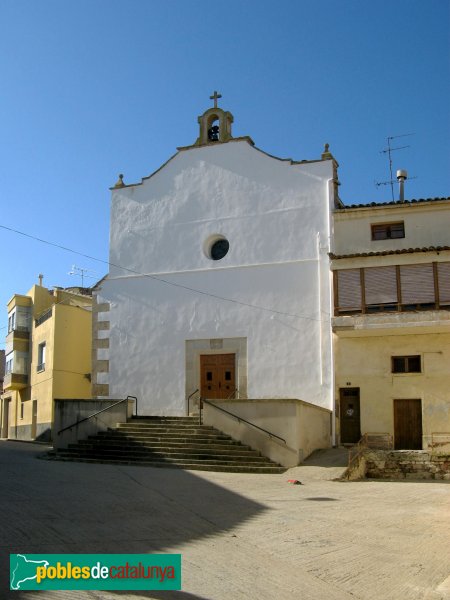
column 244, row 138
column 121, row 185
column 291, row 160
column 129, row 185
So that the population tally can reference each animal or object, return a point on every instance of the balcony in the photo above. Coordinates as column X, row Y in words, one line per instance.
column 18, row 339
column 426, row 321
column 15, row 381
column 19, row 333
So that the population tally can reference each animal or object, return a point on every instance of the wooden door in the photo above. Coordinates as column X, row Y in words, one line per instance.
column 408, row 424
column 218, row 376
column 5, row 424
column 34, row 420
column 350, row 419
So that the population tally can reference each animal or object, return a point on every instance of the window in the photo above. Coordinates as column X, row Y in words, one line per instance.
column 216, row 247
column 380, row 288
column 402, row 288
column 41, row 357
column 11, row 321
column 9, row 363
column 417, row 285
column 349, row 291
column 219, row 249
column 21, row 409
column 406, row 364
column 443, row 272
column 388, row 231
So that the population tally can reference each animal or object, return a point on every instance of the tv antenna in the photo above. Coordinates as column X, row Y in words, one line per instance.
column 82, row 273
column 389, row 151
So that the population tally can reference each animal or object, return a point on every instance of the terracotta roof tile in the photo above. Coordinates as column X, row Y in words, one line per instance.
column 394, row 203
column 388, row 252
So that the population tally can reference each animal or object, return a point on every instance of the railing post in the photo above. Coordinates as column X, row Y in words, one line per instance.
column 189, row 399
column 135, row 403
column 200, row 410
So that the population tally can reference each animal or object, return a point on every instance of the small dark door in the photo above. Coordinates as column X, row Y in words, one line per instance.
column 408, row 424
column 217, row 375
column 34, row 420
column 350, row 419
column 5, row 424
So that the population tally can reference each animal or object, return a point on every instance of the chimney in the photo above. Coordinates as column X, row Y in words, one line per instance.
column 41, row 277
column 402, row 175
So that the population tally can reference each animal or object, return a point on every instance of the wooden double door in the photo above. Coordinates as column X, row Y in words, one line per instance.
column 218, row 376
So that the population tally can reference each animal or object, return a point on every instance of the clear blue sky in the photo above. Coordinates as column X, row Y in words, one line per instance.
column 93, row 88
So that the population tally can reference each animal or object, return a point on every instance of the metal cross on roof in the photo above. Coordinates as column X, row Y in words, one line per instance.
column 215, row 97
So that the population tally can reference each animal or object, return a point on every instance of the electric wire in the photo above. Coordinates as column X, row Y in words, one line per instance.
column 160, row 279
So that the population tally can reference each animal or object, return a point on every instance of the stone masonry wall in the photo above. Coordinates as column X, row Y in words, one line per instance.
column 406, row 464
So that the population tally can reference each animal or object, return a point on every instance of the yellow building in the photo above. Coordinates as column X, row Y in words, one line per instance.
column 48, row 356
column 391, row 320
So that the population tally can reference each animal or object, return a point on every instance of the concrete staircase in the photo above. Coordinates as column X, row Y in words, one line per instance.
column 169, row 442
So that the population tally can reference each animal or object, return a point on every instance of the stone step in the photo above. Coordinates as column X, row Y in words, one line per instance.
column 178, row 457
column 187, row 466
column 193, row 429
column 179, row 442
column 166, row 438
column 139, row 420
column 190, row 448
column 171, row 460
column 195, row 445
column 251, row 455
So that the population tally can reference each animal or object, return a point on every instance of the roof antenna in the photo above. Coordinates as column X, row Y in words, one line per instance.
column 389, row 151
column 82, row 272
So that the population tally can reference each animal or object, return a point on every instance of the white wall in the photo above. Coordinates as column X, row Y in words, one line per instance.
column 303, row 427
column 426, row 224
column 271, row 212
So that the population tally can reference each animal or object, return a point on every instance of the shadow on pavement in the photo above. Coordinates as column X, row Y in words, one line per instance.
column 51, row 507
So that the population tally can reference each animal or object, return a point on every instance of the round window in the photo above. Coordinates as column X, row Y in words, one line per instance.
column 219, row 249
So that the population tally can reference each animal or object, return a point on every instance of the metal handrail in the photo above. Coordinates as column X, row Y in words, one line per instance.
column 100, row 411
column 189, row 397
column 436, row 442
column 269, row 433
column 355, row 451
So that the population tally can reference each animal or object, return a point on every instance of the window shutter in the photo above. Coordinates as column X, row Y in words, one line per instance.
column 417, row 284
column 380, row 285
column 444, row 282
column 349, row 289
column 397, row 230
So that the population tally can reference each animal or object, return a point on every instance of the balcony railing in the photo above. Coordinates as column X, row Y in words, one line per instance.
column 42, row 318
column 18, row 333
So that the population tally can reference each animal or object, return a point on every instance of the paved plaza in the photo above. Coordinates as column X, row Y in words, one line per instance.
column 242, row 537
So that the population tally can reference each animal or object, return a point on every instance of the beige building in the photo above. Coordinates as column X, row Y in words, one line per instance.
column 391, row 323
column 48, row 356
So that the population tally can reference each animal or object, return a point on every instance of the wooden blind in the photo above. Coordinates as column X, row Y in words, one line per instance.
column 417, row 284
column 444, row 282
column 380, row 285
column 349, row 289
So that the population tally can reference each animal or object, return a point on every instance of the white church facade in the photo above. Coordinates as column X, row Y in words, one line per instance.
column 220, row 278
column 241, row 278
